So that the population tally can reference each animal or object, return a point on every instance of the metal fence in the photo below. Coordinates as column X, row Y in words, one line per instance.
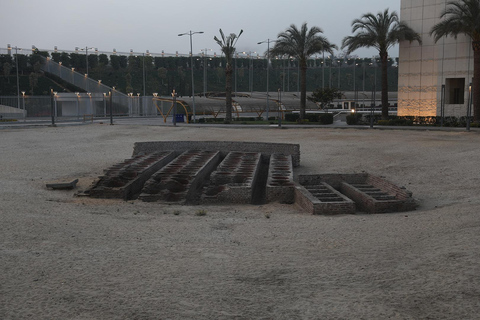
column 77, row 105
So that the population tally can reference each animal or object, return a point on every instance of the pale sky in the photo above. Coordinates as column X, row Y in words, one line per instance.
column 154, row 25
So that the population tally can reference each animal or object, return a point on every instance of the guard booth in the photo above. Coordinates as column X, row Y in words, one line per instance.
column 348, row 105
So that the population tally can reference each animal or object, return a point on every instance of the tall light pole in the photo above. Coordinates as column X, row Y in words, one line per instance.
column 236, row 58
column 205, row 65
column 16, row 69
column 86, row 57
column 190, row 33
column 86, row 60
column 268, row 68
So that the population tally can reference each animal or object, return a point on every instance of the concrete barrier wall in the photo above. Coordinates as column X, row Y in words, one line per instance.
column 224, row 147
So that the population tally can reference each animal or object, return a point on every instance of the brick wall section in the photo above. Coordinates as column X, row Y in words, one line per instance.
column 234, row 179
column 342, row 182
column 368, row 204
column 333, row 179
column 265, row 148
column 388, row 187
column 180, row 181
column 280, row 186
column 125, row 180
column 312, row 205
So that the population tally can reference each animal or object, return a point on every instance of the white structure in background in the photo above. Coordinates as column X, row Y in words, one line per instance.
column 423, row 69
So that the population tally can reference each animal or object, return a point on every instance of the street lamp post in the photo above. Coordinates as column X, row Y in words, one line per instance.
column 174, row 96
column 205, row 65
column 110, row 95
column 190, row 33
column 236, row 58
column 279, row 108
column 268, row 69
column 24, row 112
column 16, row 69
column 250, row 70
column 86, row 60
column 86, row 57
column 469, row 105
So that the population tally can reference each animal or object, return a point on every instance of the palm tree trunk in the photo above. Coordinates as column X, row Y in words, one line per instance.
column 303, row 88
column 384, row 58
column 228, row 93
column 476, row 81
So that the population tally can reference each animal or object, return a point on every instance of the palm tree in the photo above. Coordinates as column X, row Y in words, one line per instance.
column 380, row 31
column 227, row 45
column 463, row 17
column 301, row 44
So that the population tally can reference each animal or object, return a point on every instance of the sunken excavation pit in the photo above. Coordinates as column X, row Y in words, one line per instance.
column 192, row 172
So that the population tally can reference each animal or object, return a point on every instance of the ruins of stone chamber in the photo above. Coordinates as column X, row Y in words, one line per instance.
column 222, row 172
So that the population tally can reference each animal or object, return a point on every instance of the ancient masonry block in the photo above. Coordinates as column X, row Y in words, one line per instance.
column 180, row 180
column 377, row 195
column 370, row 193
column 323, row 199
column 234, row 179
column 125, row 180
column 265, row 148
column 280, row 185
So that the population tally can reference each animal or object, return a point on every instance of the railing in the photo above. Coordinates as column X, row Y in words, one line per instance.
column 76, row 105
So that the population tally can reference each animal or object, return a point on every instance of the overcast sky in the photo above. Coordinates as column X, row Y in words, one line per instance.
column 154, row 25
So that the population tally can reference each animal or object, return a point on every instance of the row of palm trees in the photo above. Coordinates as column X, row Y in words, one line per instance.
column 380, row 31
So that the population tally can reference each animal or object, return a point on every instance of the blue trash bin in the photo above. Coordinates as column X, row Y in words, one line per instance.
column 179, row 118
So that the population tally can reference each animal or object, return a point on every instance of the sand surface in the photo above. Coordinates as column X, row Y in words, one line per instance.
column 64, row 257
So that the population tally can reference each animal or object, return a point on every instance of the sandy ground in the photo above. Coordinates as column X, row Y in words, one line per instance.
column 64, row 257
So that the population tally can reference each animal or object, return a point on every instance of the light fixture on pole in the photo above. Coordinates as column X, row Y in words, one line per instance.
column 86, row 56
column 268, row 68
column 86, row 60
column 190, row 33
column 24, row 112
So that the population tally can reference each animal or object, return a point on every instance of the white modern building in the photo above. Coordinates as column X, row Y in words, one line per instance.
column 425, row 69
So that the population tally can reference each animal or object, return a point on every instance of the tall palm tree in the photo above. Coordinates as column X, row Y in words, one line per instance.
column 301, row 44
column 380, row 31
column 463, row 17
column 227, row 45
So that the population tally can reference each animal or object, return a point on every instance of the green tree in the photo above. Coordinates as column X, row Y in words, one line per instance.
column 103, row 59
column 380, row 31
column 115, row 62
column 7, row 68
column 325, row 96
column 227, row 45
column 463, row 17
column 301, row 44
column 33, row 81
column 128, row 80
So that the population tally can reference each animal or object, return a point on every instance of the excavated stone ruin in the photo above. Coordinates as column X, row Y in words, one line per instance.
column 236, row 172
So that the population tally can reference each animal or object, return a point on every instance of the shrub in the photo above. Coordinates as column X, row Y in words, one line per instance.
column 201, row 212
column 311, row 117
column 326, row 118
column 353, row 118
column 291, row 117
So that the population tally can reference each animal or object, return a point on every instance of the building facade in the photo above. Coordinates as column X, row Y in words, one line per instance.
column 427, row 70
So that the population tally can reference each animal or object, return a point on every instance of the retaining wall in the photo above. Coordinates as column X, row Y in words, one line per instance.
column 267, row 149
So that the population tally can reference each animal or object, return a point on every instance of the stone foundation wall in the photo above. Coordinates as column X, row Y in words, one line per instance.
column 179, row 181
column 125, row 180
column 234, row 179
column 333, row 179
column 312, row 205
column 280, row 185
column 265, row 148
